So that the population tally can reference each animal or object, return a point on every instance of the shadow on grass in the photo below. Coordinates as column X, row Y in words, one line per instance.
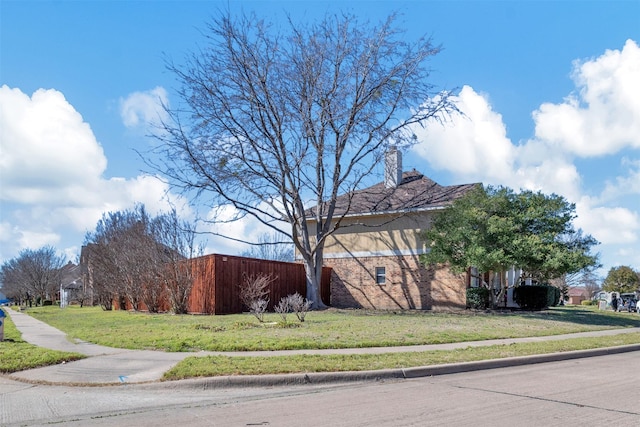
column 591, row 317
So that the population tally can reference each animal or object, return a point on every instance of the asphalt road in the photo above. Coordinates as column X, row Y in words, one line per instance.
column 592, row 391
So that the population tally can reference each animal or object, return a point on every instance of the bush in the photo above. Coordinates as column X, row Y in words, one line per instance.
column 258, row 308
column 293, row 303
column 283, row 308
column 553, row 295
column 300, row 306
column 253, row 293
column 47, row 302
column 478, row 298
column 536, row 297
column 588, row 302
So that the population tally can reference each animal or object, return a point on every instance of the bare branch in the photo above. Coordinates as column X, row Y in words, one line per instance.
column 274, row 122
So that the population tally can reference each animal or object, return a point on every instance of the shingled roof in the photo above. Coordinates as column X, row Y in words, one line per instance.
column 71, row 276
column 415, row 192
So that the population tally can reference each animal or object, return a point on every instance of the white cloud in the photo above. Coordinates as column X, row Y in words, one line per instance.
column 553, row 175
column 474, row 146
column 600, row 119
column 52, row 175
column 624, row 185
column 469, row 145
column 144, row 108
column 45, row 145
column 602, row 116
column 616, row 225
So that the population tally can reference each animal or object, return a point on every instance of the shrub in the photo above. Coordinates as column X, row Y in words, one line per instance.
column 258, row 308
column 588, row 302
column 283, row 308
column 47, row 302
column 536, row 297
column 478, row 298
column 300, row 306
column 553, row 295
column 253, row 293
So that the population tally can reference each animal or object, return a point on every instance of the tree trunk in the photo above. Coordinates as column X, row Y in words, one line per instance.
column 313, row 272
column 501, row 301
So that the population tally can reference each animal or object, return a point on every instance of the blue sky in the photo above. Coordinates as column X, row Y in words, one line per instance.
column 550, row 92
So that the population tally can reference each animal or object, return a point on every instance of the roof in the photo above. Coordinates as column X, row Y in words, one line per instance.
column 577, row 292
column 414, row 193
column 71, row 276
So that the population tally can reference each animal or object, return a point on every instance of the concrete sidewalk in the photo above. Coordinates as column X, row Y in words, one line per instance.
column 110, row 366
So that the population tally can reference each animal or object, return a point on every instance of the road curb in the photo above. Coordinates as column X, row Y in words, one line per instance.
column 454, row 368
column 317, row 378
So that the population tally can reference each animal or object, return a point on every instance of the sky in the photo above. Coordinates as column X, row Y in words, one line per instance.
column 550, row 92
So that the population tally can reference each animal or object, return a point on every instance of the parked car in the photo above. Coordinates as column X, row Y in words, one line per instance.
column 627, row 304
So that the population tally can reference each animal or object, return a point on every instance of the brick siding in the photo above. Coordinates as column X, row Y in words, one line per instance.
column 408, row 284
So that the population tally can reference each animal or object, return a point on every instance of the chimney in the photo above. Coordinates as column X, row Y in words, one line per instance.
column 392, row 167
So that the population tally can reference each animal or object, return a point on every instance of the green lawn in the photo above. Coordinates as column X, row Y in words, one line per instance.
column 211, row 366
column 322, row 329
column 18, row 355
column 335, row 329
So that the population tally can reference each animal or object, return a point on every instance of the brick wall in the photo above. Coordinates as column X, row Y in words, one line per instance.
column 408, row 284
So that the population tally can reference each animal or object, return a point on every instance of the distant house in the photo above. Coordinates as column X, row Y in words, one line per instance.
column 577, row 295
column 375, row 253
column 71, row 285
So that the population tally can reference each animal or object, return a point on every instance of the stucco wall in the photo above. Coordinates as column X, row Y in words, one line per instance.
column 408, row 284
column 378, row 235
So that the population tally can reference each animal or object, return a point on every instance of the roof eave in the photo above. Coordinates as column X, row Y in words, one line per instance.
column 391, row 212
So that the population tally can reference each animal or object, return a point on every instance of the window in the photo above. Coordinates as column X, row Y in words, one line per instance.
column 380, row 275
column 474, row 278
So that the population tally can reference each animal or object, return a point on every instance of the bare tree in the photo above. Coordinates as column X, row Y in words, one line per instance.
column 33, row 274
column 13, row 284
column 138, row 258
column 276, row 124
column 586, row 278
column 99, row 278
column 270, row 247
column 122, row 256
column 81, row 297
column 175, row 247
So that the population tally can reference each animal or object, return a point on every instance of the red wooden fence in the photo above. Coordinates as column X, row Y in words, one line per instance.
column 217, row 280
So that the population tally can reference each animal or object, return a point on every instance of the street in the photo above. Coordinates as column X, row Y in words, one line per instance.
column 586, row 392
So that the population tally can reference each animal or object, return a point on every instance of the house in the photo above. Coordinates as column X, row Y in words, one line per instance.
column 577, row 295
column 375, row 254
column 71, row 285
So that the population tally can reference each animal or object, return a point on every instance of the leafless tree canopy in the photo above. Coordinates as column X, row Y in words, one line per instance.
column 274, row 121
column 270, row 247
column 119, row 249
column 33, row 275
column 176, row 246
column 138, row 258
